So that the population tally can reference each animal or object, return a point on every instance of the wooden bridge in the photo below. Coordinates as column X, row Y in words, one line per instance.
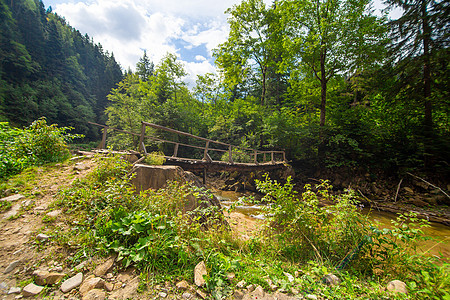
column 261, row 160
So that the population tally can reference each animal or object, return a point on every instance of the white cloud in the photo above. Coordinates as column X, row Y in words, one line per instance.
column 200, row 58
column 127, row 27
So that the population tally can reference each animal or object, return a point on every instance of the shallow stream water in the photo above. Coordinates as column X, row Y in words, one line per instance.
column 440, row 234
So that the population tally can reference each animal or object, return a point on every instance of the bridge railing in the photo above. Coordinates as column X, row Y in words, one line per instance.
column 208, row 142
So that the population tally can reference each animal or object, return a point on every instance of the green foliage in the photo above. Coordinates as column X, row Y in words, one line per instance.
column 147, row 240
column 304, row 229
column 37, row 144
column 217, row 282
column 48, row 68
column 155, row 158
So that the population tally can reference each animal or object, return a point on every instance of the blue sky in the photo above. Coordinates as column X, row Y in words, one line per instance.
column 189, row 28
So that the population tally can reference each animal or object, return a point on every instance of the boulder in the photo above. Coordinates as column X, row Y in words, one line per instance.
column 90, row 284
column 72, row 283
column 13, row 198
column 182, row 285
column 103, row 268
column 331, row 279
column 47, row 278
column 199, row 271
column 128, row 292
column 32, row 290
column 11, row 266
column 397, row 286
column 156, row 177
column 95, row 294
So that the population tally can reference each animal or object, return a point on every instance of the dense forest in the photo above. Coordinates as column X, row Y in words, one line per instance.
column 328, row 81
column 48, row 68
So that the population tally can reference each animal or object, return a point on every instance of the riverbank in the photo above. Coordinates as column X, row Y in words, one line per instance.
column 386, row 194
column 69, row 218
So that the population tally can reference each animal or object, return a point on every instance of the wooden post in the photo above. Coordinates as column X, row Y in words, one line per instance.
column 175, row 150
column 271, row 157
column 103, row 143
column 204, row 175
column 255, row 159
column 264, row 157
column 230, row 154
column 284, row 156
column 206, row 151
column 141, row 139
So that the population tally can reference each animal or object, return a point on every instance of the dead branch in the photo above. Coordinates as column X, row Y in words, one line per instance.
column 436, row 187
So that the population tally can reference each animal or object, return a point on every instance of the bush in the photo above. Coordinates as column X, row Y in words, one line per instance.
column 37, row 144
column 307, row 231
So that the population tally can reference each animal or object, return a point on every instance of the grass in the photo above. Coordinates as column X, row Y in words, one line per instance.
column 103, row 214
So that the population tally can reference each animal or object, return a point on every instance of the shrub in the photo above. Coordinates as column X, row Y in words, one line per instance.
column 37, row 144
column 304, row 229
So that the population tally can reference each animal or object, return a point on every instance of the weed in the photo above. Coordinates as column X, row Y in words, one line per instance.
column 5, row 205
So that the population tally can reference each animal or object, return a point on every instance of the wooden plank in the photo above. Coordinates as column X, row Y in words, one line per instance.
column 103, row 143
column 175, row 150
column 141, row 139
column 206, row 151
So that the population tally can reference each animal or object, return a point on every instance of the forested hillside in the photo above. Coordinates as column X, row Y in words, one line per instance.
column 328, row 81
column 48, row 68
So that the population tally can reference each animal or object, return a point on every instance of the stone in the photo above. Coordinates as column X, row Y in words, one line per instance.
column 72, row 283
column 408, row 190
column 250, row 288
column 54, row 213
column 258, row 293
column 14, row 290
column 80, row 167
column 241, row 284
column 201, row 294
column 182, row 285
column 331, row 279
column 231, row 276
column 3, row 287
column 289, row 277
column 13, row 198
column 12, row 212
column 109, row 286
column 105, row 267
column 187, row 295
column 32, row 290
column 42, row 277
column 42, row 237
column 238, row 295
column 11, row 267
column 199, row 272
column 80, row 266
column 162, row 294
column 294, row 291
column 272, row 286
column 397, row 286
column 128, row 292
column 109, row 276
column 95, row 294
column 311, row 297
column 124, row 278
column 156, row 177
column 90, row 284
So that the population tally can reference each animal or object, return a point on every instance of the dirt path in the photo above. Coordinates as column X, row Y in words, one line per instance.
column 22, row 223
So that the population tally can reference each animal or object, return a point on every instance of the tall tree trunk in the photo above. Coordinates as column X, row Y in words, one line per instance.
column 323, row 104
column 263, row 92
column 428, row 120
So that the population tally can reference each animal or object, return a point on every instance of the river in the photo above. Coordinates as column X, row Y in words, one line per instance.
column 440, row 234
